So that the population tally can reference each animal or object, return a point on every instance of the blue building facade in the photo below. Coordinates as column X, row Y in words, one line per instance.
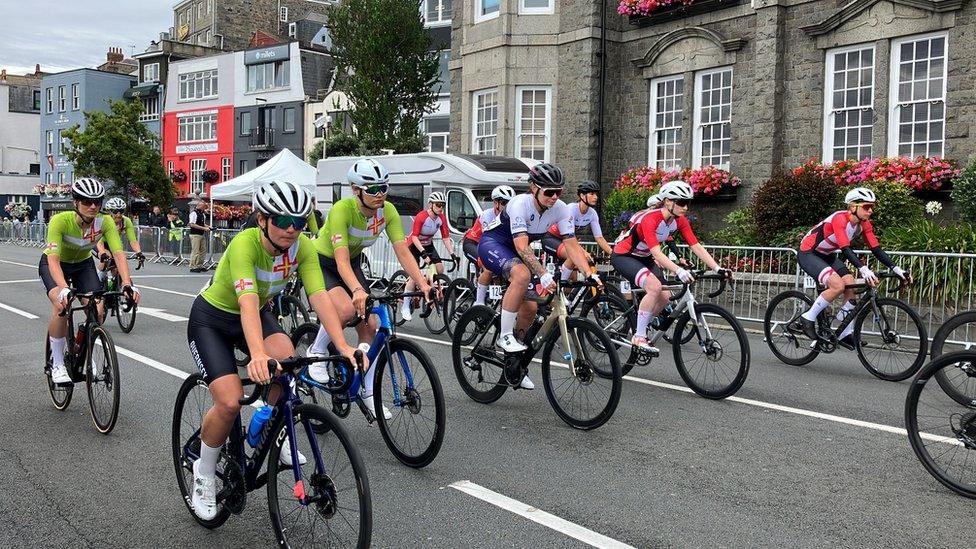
column 65, row 97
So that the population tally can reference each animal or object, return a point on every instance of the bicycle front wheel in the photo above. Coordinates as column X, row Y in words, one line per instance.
column 292, row 313
column 330, row 505
column 398, row 284
column 478, row 364
column 715, row 362
column 434, row 314
column 408, row 386
column 941, row 429
column 102, row 380
column 956, row 334
column 782, row 329
column 126, row 318
column 615, row 317
column 458, row 298
column 893, row 342
column 579, row 395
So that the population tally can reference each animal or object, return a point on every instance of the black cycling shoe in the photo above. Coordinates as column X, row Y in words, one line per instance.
column 809, row 328
column 849, row 342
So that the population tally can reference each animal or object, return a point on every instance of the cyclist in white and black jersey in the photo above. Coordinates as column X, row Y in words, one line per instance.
column 584, row 216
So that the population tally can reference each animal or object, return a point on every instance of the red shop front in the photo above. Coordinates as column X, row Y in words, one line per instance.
column 199, row 141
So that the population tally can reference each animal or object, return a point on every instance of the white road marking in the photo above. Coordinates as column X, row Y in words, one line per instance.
column 20, row 264
column 20, row 281
column 538, row 516
column 141, row 287
column 162, row 314
column 151, row 363
column 15, row 310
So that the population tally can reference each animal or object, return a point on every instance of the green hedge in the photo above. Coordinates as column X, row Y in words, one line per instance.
column 964, row 193
column 790, row 200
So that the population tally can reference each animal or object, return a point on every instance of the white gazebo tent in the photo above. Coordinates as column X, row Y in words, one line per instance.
column 284, row 166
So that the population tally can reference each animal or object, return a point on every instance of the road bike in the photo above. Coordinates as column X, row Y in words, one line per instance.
column 406, row 383
column 892, row 342
column 123, row 310
column 710, row 347
column 941, row 420
column 325, row 500
column 432, row 313
column 89, row 356
column 584, row 390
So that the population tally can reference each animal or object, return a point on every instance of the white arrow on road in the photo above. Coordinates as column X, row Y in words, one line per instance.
column 161, row 314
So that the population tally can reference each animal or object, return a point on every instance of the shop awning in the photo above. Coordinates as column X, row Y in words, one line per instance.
column 144, row 90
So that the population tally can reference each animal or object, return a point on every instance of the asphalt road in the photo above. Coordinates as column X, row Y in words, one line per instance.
column 782, row 464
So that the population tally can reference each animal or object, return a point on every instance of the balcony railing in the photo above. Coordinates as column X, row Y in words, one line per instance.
column 261, row 140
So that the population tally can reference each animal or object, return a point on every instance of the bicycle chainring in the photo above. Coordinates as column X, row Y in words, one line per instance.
column 341, row 406
column 234, row 492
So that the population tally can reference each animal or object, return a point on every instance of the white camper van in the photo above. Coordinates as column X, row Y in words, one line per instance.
column 466, row 180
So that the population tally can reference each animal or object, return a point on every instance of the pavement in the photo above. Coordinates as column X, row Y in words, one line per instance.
column 810, row 456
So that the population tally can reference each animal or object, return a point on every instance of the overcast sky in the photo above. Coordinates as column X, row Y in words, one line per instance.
column 69, row 34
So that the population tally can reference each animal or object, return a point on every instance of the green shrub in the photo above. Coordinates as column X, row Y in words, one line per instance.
column 740, row 229
column 964, row 193
column 790, row 238
column 620, row 205
column 924, row 235
column 786, row 201
column 896, row 206
column 937, row 278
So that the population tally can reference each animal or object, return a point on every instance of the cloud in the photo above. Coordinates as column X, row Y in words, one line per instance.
column 77, row 33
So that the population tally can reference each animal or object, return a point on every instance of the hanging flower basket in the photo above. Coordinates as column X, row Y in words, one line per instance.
column 710, row 183
column 179, row 176
column 210, row 176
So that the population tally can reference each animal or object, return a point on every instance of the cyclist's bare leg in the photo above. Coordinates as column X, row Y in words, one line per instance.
column 518, row 281
column 58, row 326
column 525, row 316
column 347, row 313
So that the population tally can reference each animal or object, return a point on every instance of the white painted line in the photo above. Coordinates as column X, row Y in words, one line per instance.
column 15, row 310
column 162, row 314
column 19, row 264
column 141, row 287
column 20, row 281
column 538, row 516
column 151, row 363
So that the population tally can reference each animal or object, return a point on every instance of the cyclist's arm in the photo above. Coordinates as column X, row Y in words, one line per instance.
column 251, row 324
column 839, row 226
column 684, row 227
column 418, row 225
column 313, row 223
column 310, row 274
column 344, row 265
column 130, row 233
column 446, row 236
column 647, row 231
column 661, row 259
column 577, row 254
column 603, row 244
column 54, row 264
column 875, row 246
column 524, row 250
column 706, row 257
column 55, row 239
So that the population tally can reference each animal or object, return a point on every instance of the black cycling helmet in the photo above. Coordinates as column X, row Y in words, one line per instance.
column 588, row 187
column 546, row 175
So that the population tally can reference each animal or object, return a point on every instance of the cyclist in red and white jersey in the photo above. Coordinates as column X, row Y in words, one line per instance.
column 637, row 253
column 426, row 225
column 818, row 258
column 500, row 196
column 584, row 215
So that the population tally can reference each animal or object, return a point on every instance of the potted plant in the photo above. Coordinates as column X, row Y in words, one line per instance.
column 179, row 176
column 210, row 176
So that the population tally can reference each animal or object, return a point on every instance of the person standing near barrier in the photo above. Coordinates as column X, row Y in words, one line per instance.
column 198, row 234
column 175, row 225
column 159, row 222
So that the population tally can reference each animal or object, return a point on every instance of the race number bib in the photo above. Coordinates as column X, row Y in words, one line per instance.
column 551, row 268
column 624, row 287
column 536, row 245
column 494, row 292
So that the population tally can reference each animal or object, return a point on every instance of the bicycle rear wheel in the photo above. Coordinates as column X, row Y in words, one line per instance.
column 60, row 394
column 410, row 388
column 781, row 328
column 579, row 395
column 893, row 342
column 723, row 363
column 291, row 313
column 398, row 284
column 193, row 401
column 433, row 315
column 458, row 298
column 941, row 429
column 477, row 362
column 126, row 318
column 102, row 380
column 331, row 505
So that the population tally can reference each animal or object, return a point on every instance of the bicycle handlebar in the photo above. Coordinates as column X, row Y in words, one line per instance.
column 97, row 294
column 699, row 275
column 290, row 365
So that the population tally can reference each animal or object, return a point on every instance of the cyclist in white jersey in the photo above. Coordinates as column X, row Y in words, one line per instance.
column 584, row 216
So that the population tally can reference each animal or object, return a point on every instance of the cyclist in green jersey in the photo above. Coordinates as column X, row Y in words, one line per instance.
column 354, row 224
column 233, row 310
column 67, row 261
column 115, row 207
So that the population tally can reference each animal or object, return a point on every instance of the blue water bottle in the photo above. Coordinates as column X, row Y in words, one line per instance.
column 260, row 417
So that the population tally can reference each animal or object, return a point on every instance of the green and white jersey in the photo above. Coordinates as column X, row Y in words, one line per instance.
column 346, row 226
column 67, row 240
column 247, row 268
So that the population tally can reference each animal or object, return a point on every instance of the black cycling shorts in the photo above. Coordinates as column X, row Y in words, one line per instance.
column 431, row 252
column 212, row 334
column 330, row 270
column 470, row 249
column 635, row 269
column 551, row 245
column 81, row 276
column 821, row 266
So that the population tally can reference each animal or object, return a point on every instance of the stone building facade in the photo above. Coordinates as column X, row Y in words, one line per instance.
column 230, row 24
column 752, row 87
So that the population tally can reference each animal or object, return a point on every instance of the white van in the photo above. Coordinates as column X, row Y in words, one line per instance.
column 466, row 180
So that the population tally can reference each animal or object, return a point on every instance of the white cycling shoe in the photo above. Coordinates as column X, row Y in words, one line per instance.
column 526, row 383
column 405, row 311
column 368, row 402
column 644, row 344
column 318, row 371
column 286, row 454
column 509, row 344
column 59, row 374
column 204, row 497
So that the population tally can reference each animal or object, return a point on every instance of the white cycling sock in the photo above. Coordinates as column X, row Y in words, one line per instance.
column 368, row 381
column 208, row 459
column 508, row 322
column 321, row 345
column 643, row 319
column 818, row 305
column 842, row 313
column 481, row 295
column 58, row 345
column 565, row 272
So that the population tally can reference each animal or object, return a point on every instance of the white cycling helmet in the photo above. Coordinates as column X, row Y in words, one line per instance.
column 436, row 196
column 366, row 171
column 860, row 194
column 87, row 187
column 283, row 198
column 115, row 204
column 502, row 192
column 676, row 190
column 654, row 201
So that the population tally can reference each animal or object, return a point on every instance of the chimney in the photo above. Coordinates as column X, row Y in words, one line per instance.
column 115, row 55
column 3, row 75
column 37, row 69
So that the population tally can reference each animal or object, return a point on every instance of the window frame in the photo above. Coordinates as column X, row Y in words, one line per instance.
column 197, row 122
column 36, row 96
column 475, row 149
column 61, row 149
column 480, row 16
column 444, row 16
column 828, row 118
column 49, row 135
column 155, row 71
column 523, row 10
column 242, row 167
column 149, row 116
column 225, row 166
column 292, row 30
column 194, row 80
column 75, row 97
column 547, row 131
column 280, row 70
column 284, row 120
column 49, row 100
column 893, row 74
column 62, row 98
column 653, row 130
column 697, row 140
column 283, row 14
column 197, row 182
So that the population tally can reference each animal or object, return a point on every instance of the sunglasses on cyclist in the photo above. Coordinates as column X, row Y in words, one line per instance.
column 88, row 202
column 502, row 202
column 374, row 190
column 867, row 206
column 285, row 221
column 683, row 202
column 549, row 193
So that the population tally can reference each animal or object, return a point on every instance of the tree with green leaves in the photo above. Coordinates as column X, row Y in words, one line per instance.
column 116, row 147
column 386, row 66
